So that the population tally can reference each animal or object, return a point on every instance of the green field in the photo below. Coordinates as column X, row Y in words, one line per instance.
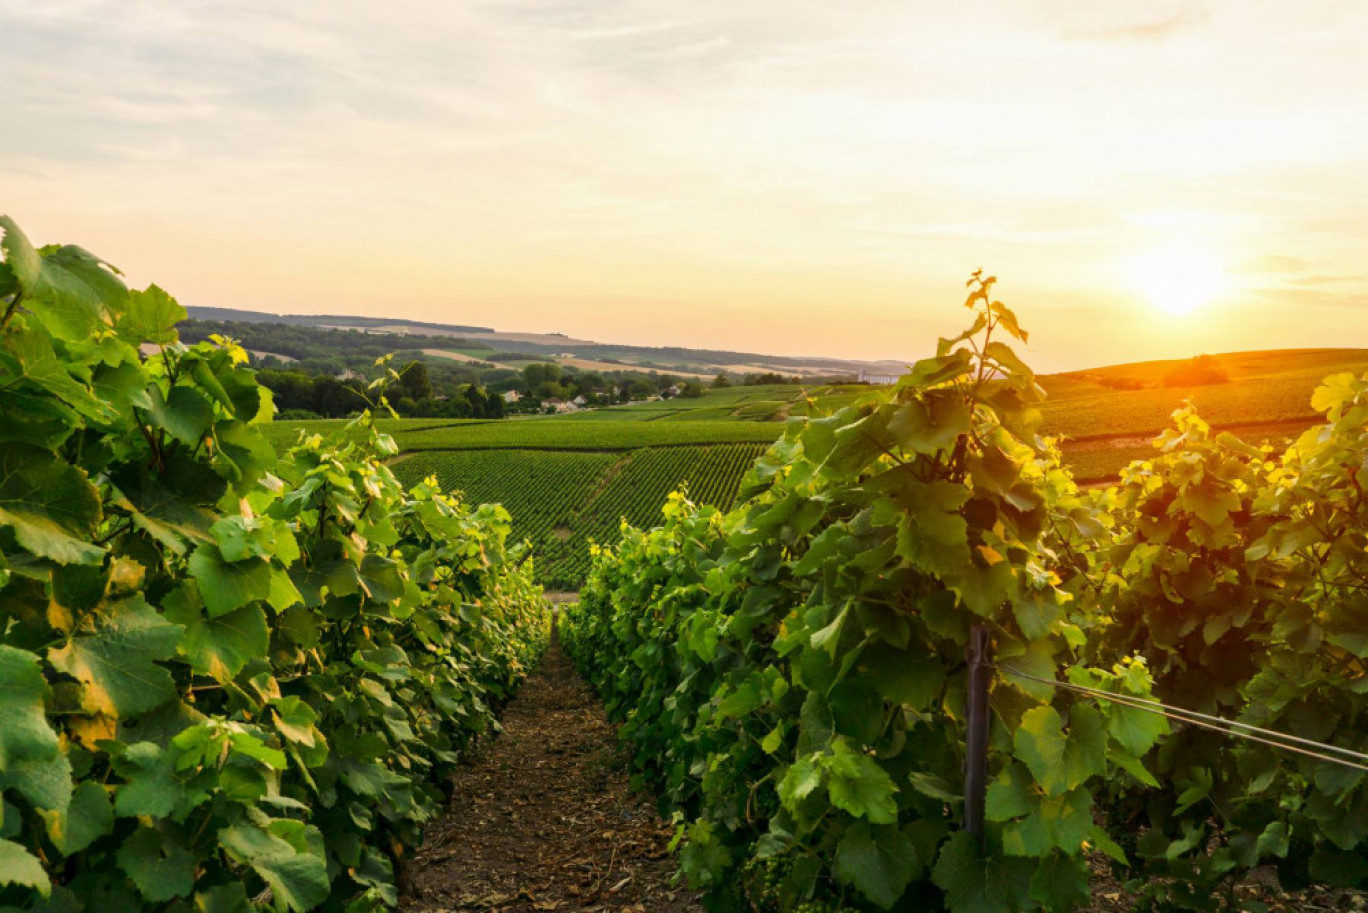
column 569, row 479
column 1268, row 398
column 563, row 500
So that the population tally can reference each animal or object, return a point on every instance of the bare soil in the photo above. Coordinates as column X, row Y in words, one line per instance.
column 542, row 818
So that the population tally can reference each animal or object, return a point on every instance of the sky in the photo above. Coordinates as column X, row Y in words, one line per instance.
column 802, row 177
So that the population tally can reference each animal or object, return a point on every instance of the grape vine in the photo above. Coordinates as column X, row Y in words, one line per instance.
column 231, row 680
column 791, row 674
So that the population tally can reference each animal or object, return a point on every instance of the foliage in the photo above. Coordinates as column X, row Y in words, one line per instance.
column 791, row 674
column 1241, row 578
column 231, row 681
column 323, row 395
column 1201, row 371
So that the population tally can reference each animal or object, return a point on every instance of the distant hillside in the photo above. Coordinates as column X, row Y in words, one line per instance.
column 323, row 320
column 487, row 344
column 1109, row 415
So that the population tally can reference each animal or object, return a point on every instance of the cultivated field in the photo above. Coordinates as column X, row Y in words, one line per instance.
column 563, row 500
column 1268, row 397
column 570, row 479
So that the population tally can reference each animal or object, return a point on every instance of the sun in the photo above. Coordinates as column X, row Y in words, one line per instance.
column 1178, row 279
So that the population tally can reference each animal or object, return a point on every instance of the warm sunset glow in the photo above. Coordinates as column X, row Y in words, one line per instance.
column 791, row 178
column 1178, row 279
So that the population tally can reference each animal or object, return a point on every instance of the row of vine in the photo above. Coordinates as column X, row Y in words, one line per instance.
column 791, row 675
column 228, row 680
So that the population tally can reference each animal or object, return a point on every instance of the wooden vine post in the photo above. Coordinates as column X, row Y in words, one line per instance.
column 980, row 659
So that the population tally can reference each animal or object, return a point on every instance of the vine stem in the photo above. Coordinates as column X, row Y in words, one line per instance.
column 9, row 311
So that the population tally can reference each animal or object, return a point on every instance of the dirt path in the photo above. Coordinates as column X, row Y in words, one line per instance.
column 542, row 819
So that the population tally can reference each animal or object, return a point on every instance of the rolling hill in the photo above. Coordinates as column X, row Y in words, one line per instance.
column 486, row 344
column 569, row 479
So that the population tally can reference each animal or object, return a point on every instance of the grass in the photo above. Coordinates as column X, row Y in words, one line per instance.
column 1263, row 387
column 1268, row 397
column 283, row 434
column 558, row 434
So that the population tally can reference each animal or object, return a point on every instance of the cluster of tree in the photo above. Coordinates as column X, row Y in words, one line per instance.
column 722, row 381
column 1200, row 372
column 1124, row 383
column 541, row 384
column 342, row 321
column 299, row 394
column 306, row 342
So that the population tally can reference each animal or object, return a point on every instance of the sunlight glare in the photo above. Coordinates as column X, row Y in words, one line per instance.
column 1179, row 278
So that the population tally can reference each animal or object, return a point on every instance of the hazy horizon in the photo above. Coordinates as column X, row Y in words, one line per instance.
column 1148, row 182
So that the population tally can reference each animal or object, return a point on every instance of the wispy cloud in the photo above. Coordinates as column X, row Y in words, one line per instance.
column 514, row 161
column 1154, row 30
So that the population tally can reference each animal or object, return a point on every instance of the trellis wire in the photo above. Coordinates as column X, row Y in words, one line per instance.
column 1353, row 759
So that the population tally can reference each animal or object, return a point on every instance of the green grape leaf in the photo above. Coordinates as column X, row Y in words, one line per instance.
column 295, row 720
column 169, row 506
column 19, row 867
column 298, row 880
column 859, row 443
column 223, row 898
column 50, row 505
column 931, row 372
column 1333, row 392
column 1010, row 795
column 801, row 778
column 152, row 316
column 1004, row 355
column 120, row 388
column 859, row 785
column 878, row 860
column 1057, row 822
column 152, row 785
column 932, row 423
column 86, row 818
column 46, row 784
column 243, row 454
column 185, row 413
column 21, row 259
column 975, row 882
column 744, row 700
column 1212, row 504
column 829, row 637
column 900, row 678
column 1007, row 320
column 381, row 579
column 1136, row 768
column 1060, row 883
column 219, row 647
column 159, row 869
column 225, row 585
column 30, row 356
column 24, row 731
column 68, row 290
column 1059, row 761
column 77, row 295
column 117, row 664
